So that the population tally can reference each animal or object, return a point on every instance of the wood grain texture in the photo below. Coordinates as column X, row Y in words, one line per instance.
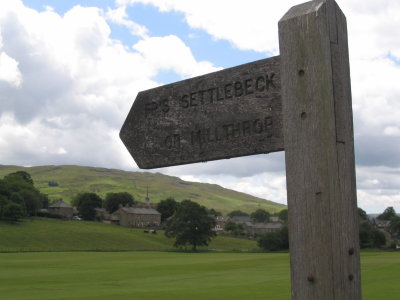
column 225, row 114
column 319, row 152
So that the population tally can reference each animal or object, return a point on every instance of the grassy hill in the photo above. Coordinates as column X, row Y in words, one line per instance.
column 56, row 235
column 72, row 180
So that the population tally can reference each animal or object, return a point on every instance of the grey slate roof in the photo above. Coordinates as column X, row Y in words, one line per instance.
column 60, row 204
column 140, row 211
column 241, row 219
column 267, row 225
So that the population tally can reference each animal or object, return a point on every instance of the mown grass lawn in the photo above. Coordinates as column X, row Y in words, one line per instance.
column 171, row 275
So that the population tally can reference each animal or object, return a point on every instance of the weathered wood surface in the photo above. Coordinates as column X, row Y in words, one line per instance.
column 319, row 151
column 229, row 113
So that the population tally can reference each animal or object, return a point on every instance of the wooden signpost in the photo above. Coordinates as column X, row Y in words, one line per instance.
column 230, row 113
column 299, row 102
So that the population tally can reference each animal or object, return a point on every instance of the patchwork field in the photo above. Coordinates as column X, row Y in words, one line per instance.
column 171, row 275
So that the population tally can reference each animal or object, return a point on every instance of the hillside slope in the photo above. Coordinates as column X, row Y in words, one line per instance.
column 72, row 180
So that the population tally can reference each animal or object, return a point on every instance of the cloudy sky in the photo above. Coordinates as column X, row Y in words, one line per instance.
column 70, row 70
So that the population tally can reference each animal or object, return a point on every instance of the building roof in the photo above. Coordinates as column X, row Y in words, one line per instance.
column 140, row 211
column 241, row 219
column 60, row 204
column 267, row 225
column 222, row 218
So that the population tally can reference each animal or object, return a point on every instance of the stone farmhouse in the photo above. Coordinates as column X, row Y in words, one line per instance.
column 136, row 217
column 261, row 228
column 251, row 227
column 220, row 223
column 61, row 208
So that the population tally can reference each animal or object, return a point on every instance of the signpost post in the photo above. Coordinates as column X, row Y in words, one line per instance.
column 299, row 102
column 319, row 151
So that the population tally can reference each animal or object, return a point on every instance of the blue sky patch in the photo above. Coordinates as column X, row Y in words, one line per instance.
column 221, row 53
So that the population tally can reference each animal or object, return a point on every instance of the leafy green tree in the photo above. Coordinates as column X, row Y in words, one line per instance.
column 167, row 208
column 11, row 211
column 365, row 234
column 273, row 241
column 19, row 175
column 3, row 202
column 86, row 203
column 378, row 238
column 393, row 244
column 214, row 212
column 371, row 237
column 113, row 200
column 388, row 214
column 16, row 197
column 235, row 229
column 283, row 215
column 230, row 226
column 270, row 241
column 260, row 215
column 284, row 235
column 191, row 225
column 17, row 188
column 32, row 201
column 395, row 226
column 362, row 214
column 237, row 213
column 18, row 181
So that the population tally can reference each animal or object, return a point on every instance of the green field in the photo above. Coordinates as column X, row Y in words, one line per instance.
column 72, row 180
column 170, row 275
column 57, row 235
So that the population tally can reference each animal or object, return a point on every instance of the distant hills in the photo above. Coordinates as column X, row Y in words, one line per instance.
column 67, row 181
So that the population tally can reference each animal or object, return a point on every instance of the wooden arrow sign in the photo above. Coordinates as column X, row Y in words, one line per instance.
column 229, row 113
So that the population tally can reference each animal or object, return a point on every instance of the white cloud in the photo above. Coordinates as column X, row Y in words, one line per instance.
column 119, row 16
column 180, row 57
column 67, row 86
column 374, row 46
column 78, row 85
column 250, row 25
column 9, row 71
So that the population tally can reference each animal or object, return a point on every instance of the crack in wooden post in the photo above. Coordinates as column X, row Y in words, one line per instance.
column 319, row 152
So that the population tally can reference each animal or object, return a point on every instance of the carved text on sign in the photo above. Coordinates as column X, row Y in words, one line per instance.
column 229, row 113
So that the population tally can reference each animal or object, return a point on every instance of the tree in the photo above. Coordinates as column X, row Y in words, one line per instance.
column 86, row 203
column 273, row 241
column 371, row 237
column 284, row 235
column 378, row 238
column 213, row 212
column 235, row 229
column 283, row 215
column 19, row 175
column 191, row 225
column 388, row 214
column 11, row 211
column 237, row 213
column 167, row 208
column 113, row 200
column 270, row 241
column 260, row 215
column 365, row 235
column 18, row 181
column 395, row 226
column 362, row 214
column 32, row 201
column 19, row 196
